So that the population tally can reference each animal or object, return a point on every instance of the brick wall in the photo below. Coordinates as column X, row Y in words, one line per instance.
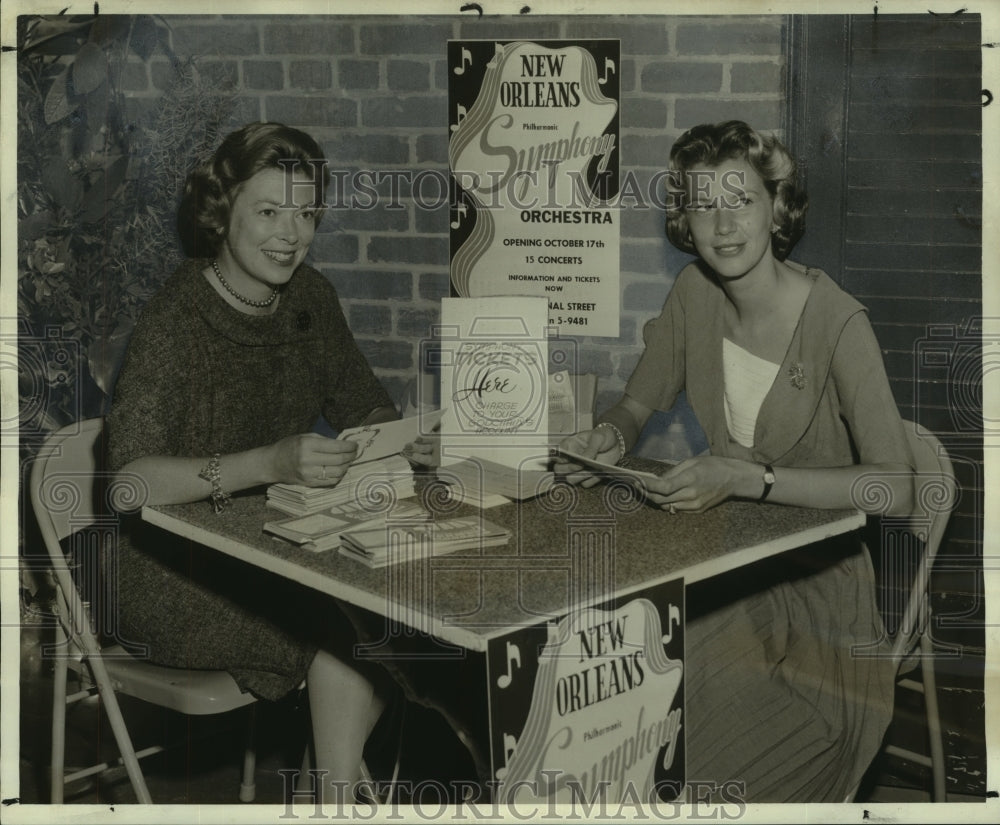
column 913, row 251
column 373, row 91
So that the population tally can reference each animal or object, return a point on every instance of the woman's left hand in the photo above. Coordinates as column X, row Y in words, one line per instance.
column 697, row 484
column 425, row 450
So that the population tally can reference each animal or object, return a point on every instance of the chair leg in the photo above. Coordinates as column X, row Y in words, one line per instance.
column 248, row 787
column 300, row 784
column 933, row 717
column 117, row 722
column 399, row 757
column 58, row 761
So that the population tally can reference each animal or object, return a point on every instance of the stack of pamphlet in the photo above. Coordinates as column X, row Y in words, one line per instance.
column 322, row 531
column 377, row 465
column 394, row 544
column 368, row 481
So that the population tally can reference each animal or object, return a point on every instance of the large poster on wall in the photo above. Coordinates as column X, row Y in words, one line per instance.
column 534, row 156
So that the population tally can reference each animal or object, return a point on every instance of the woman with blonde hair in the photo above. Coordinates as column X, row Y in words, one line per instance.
column 789, row 684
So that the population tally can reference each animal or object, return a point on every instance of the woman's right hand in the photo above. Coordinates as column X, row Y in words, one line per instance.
column 311, row 459
column 599, row 443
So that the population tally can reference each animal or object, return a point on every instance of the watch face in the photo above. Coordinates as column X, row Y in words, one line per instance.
column 769, row 477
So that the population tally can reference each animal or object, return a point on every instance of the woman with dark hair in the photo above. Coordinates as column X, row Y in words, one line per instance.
column 231, row 365
column 785, row 376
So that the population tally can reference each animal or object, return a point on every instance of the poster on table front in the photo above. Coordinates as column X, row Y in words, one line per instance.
column 534, row 157
column 592, row 706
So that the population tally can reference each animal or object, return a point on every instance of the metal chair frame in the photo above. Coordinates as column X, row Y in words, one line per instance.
column 935, row 497
column 62, row 494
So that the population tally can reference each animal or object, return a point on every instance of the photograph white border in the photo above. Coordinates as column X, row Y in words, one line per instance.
column 988, row 811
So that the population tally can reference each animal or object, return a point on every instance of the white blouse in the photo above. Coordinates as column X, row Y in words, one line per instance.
column 747, row 380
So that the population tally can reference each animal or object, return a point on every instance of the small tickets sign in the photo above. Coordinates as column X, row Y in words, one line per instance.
column 494, row 381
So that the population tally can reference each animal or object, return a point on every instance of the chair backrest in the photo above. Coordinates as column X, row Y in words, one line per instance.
column 935, row 496
column 62, row 480
column 71, row 498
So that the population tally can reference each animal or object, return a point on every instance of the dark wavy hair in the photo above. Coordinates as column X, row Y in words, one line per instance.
column 712, row 143
column 210, row 189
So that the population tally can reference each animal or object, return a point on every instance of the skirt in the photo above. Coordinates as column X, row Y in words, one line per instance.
column 790, row 682
column 180, row 604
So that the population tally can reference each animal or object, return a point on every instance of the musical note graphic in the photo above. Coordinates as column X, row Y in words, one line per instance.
column 497, row 58
column 609, row 68
column 513, row 656
column 461, row 112
column 466, row 61
column 673, row 617
column 509, row 743
column 462, row 209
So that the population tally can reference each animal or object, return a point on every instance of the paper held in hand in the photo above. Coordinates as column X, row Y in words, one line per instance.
column 376, row 441
column 603, row 468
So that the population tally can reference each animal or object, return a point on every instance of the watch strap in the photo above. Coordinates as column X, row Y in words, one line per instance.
column 768, row 479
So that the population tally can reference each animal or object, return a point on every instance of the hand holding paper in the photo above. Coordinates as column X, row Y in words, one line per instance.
column 377, row 441
column 425, row 449
column 587, row 451
column 595, row 465
column 310, row 459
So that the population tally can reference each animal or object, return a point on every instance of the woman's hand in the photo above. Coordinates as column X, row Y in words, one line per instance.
column 599, row 443
column 699, row 483
column 425, row 450
column 311, row 459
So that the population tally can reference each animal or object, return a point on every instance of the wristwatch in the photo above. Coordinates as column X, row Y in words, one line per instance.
column 768, row 479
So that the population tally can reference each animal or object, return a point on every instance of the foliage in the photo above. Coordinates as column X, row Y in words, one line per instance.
column 97, row 190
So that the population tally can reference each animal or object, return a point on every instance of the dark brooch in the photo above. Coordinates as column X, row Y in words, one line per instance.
column 797, row 376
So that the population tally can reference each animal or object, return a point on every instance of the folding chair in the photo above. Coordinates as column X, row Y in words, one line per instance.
column 935, row 498
column 63, row 483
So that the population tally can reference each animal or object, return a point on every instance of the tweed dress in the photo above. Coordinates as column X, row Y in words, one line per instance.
column 789, row 688
column 200, row 378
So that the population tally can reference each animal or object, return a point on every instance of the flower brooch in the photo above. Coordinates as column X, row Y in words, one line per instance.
column 797, row 376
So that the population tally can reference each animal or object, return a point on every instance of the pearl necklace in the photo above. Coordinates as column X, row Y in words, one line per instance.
column 259, row 304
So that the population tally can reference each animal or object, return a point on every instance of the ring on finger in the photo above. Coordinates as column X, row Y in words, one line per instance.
column 322, row 472
column 672, row 510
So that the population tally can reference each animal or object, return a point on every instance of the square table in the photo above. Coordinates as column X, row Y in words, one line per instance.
column 571, row 635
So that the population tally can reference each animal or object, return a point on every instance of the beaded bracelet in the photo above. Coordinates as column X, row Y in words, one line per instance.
column 618, row 436
column 213, row 475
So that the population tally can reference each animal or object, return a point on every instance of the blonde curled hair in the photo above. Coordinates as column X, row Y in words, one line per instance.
column 709, row 144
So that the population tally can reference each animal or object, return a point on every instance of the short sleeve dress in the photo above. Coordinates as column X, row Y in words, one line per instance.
column 789, row 686
column 200, row 378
